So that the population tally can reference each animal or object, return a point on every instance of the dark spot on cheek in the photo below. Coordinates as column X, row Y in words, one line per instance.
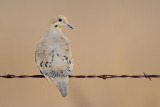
column 69, row 61
column 56, row 25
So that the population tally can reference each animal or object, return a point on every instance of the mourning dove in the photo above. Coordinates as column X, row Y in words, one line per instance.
column 53, row 55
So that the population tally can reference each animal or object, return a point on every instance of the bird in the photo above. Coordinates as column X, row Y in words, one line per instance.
column 53, row 55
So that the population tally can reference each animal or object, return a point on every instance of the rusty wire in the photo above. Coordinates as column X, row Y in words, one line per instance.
column 85, row 76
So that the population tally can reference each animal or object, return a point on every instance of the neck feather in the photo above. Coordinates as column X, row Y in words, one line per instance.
column 56, row 29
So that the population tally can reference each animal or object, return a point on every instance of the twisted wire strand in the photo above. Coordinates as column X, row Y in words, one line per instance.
column 85, row 76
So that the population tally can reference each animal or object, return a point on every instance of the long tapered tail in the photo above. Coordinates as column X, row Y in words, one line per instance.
column 62, row 83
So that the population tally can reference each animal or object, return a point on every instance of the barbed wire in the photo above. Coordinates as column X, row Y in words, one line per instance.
column 85, row 76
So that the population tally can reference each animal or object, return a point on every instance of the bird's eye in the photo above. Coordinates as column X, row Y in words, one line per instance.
column 60, row 20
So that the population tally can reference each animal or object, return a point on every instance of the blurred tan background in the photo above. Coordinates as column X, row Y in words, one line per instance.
column 110, row 37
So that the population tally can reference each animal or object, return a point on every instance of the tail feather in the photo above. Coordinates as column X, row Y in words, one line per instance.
column 62, row 85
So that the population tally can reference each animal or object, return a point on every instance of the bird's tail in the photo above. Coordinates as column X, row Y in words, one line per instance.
column 62, row 85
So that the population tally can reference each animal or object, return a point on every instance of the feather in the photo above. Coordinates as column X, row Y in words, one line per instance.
column 62, row 84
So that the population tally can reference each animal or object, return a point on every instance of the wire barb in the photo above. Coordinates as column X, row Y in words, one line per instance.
column 146, row 76
column 85, row 76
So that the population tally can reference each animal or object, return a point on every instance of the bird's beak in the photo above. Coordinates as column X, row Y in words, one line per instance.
column 69, row 25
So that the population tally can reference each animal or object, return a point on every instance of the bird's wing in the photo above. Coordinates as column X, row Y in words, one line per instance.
column 41, row 58
column 54, row 61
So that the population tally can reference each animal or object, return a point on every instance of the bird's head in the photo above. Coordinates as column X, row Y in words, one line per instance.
column 58, row 22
